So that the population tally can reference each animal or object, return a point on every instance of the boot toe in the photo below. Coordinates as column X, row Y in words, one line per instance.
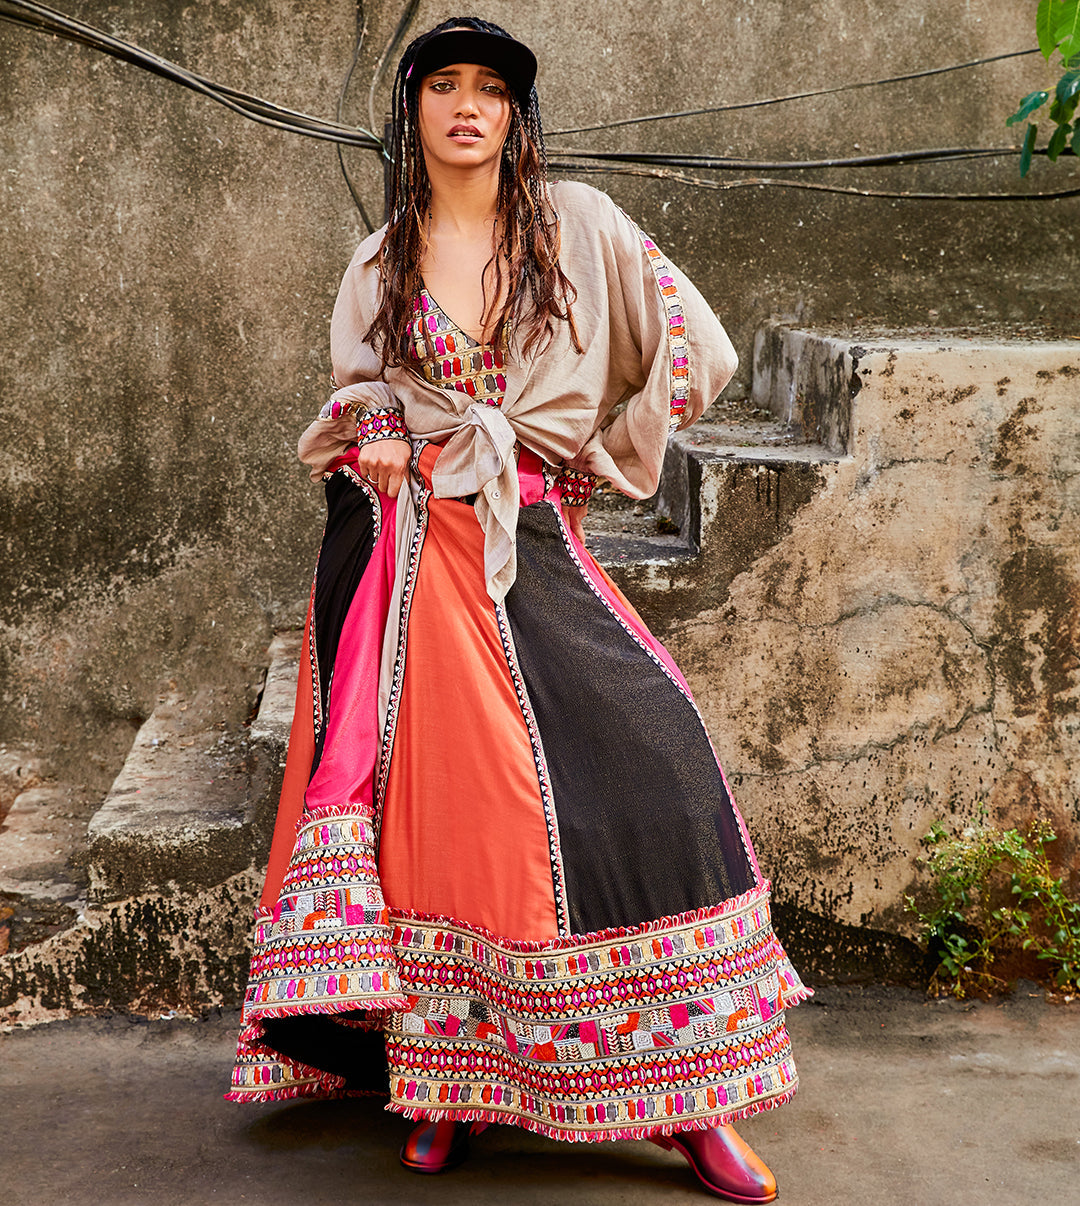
column 725, row 1164
column 435, row 1147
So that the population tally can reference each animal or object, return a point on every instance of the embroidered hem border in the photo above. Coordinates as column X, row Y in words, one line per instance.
column 326, row 944
column 673, row 1025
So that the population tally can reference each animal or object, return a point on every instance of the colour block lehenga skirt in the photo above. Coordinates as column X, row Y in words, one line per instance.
column 516, row 889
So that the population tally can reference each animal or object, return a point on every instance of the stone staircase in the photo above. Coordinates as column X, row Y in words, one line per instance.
column 143, row 902
column 733, row 482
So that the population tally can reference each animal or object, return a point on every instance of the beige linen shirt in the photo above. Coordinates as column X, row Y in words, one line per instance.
column 563, row 405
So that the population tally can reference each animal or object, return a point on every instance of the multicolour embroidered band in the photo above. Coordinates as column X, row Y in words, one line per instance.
column 676, row 325
column 335, row 408
column 644, row 1031
column 577, row 486
column 455, row 360
column 653, row 1029
column 380, row 423
column 328, row 937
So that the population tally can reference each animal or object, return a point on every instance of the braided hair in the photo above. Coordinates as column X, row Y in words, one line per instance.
column 538, row 293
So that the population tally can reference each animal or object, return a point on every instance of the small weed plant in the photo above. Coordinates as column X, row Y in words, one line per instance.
column 995, row 894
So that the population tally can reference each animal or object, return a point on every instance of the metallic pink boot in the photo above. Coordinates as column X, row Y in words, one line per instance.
column 435, row 1147
column 724, row 1164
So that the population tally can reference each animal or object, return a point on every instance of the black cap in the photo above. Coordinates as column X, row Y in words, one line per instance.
column 513, row 60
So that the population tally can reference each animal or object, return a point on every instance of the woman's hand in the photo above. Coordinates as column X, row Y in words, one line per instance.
column 385, row 463
column 575, row 520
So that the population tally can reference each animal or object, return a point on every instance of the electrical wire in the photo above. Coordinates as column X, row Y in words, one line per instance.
column 47, row 20
column 724, row 163
column 354, row 192
column 791, row 96
column 42, row 19
column 765, row 182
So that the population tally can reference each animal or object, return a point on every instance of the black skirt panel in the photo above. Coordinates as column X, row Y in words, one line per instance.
column 646, row 825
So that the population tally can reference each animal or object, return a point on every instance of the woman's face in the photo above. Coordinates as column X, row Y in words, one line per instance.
column 464, row 116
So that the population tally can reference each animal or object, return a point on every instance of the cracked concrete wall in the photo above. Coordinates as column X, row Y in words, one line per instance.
column 910, row 647
column 167, row 279
column 170, row 950
column 169, row 270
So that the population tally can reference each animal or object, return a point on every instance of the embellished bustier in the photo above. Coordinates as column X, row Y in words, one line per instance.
column 453, row 360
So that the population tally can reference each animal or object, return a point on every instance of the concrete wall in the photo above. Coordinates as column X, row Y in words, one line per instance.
column 169, row 269
column 907, row 651
column 167, row 280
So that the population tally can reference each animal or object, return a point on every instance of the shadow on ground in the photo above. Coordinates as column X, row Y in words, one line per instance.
column 903, row 1100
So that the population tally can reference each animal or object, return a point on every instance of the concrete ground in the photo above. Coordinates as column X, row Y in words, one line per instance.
column 903, row 1100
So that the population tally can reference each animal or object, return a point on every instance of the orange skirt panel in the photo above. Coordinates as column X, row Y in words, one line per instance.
column 463, row 830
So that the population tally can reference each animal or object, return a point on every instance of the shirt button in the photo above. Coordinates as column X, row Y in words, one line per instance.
column 494, row 494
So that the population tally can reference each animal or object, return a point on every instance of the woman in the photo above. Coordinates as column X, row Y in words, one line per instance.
column 508, row 882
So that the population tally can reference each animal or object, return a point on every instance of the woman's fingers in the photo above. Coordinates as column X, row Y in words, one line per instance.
column 385, row 463
column 575, row 519
column 393, row 484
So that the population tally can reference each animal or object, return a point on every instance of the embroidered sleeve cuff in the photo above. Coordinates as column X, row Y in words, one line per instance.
column 381, row 424
column 335, row 409
column 577, row 486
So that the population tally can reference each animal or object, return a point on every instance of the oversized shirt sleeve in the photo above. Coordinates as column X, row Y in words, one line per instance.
column 670, row 356
column 361, row 399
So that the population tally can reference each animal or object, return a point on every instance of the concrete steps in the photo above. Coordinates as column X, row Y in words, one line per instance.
column 732, row 483
column 144, row 901
column 669, row 525
column 176, row 813
column 731, row 487
column 43, row 864
column 193, row 805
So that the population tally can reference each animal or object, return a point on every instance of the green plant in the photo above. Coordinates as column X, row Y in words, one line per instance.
column 995, row 893
column 1057, row 24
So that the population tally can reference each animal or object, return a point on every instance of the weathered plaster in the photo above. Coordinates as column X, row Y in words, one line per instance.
column 909, row 648
column 169, row 270
column 167, row 950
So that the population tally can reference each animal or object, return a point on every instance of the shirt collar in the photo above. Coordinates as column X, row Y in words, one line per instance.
column 369, row 248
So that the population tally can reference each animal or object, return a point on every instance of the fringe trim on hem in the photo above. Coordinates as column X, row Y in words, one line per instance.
column 290, row 1093
column 315, row 1083
column 575, row 942
column 333, row 812
column 375, row 1005
column 645, row 1131
column 802, row 993
column 283, row 1093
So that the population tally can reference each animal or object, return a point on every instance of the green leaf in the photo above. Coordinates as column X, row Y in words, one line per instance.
column 1057, row 141
column 1045, row 18
column 1067, row 87
column 1065, row 26
column 1060, row 113
column 1066, row 97
column 1028, row 105
column 1028, row 147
